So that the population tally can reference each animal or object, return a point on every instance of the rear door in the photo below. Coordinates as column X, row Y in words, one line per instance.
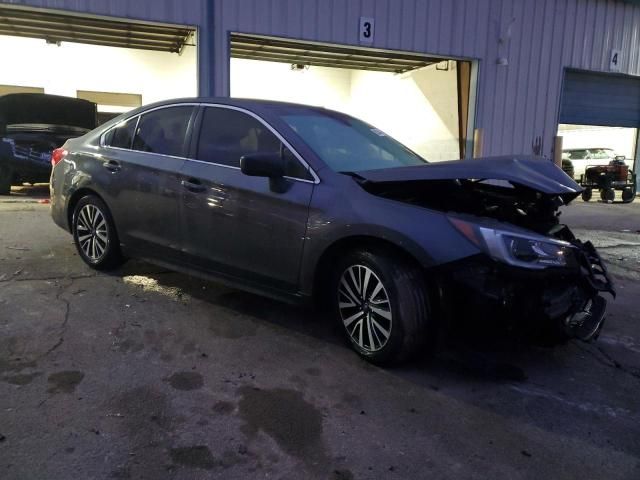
column 145, row 179
column 241, row 226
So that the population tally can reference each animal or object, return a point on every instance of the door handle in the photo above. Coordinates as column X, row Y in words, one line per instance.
column 112, row 166
column 193, row 185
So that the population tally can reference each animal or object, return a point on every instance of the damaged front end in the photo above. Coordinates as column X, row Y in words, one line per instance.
column 532, row 275
column 547, row 304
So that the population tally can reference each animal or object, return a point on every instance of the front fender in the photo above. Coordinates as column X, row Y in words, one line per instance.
column 424, row 234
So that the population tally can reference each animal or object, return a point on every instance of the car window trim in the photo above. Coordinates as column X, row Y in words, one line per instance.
column 316, row 179
column 139, row 115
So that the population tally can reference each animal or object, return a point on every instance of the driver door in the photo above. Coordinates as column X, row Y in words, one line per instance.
column 234, row 224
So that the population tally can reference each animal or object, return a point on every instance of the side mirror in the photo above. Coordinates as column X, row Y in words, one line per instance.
column 270, row 165
column 620, row 157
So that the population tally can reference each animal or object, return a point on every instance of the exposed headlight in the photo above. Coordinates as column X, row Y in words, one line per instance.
column 528, row 251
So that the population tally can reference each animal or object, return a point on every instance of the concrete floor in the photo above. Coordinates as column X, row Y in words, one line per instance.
column 146, row 373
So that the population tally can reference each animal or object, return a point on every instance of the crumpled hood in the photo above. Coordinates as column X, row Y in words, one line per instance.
column 537, row 173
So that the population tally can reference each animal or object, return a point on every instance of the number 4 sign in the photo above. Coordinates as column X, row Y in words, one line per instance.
column 615, row 60
column 366, row 30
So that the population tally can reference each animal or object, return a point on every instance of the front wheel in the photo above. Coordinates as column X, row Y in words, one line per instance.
column 94, row 234
column 381, row 303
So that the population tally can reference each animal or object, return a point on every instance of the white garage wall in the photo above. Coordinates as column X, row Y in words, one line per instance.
column 419, row 109
column 70, row 67
column 323, row 87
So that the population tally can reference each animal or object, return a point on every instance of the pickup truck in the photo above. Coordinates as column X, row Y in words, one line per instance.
column 32, row 125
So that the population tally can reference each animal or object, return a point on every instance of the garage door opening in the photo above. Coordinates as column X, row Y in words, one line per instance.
column 116, row 63
column 586, row 145
column 599, row 121
column 421, row 101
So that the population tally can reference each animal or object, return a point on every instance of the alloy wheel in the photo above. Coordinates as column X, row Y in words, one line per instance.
column 365, row 308
column 92, row 232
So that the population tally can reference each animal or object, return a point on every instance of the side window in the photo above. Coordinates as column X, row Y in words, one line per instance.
column 122, row 135
column 163, row 131
column 226, row 135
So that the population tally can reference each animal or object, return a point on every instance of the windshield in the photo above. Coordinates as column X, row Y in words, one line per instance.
column 346, row 144
column 601, row 153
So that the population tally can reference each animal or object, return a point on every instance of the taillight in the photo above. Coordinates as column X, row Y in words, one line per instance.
column 57, row 155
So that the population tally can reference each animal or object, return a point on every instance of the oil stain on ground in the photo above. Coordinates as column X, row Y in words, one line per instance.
column 20, row 379
column 16, row 365
column 64, row 382
column 146, row 427
column 186, row 381
column 195, row 457
column 284, row 415
column 223, row 408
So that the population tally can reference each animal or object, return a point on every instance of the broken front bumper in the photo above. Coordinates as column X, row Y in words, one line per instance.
column 555, row 302
column 586, row 323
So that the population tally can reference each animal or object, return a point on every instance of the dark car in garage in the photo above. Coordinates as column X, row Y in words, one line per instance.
column 302, row 203
column 32, row 125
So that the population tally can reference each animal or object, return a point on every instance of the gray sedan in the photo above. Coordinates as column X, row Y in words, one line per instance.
column 303, row 203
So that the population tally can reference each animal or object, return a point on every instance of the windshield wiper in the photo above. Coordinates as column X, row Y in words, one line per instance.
column 358, row 178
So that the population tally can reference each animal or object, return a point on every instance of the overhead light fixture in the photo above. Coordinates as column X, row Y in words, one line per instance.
column 299, row 67
column 50, row 41
column 443, row 66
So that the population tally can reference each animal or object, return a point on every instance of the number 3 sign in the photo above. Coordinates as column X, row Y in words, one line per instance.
column 366, row 29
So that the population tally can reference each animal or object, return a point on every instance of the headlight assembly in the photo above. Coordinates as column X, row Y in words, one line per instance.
column 528, row 251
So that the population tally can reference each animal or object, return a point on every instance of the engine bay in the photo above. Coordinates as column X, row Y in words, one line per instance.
column 497, row 199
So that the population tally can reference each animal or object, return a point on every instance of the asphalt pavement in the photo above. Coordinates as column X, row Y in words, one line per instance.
column 146, row 373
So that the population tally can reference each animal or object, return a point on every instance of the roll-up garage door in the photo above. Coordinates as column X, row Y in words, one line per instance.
column 600, row 99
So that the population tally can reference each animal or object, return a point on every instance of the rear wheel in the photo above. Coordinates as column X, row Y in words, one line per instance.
column 95, row 235
column 381, row 302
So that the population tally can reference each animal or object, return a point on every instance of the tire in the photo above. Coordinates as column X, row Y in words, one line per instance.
column 567, row 167
column 628, row 195
column 5, row 180
column 587, row 193
column 94, row 234
column 397, row 306
column 608, row 195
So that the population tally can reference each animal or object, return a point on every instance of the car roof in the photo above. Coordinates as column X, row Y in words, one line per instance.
column 247, row 103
